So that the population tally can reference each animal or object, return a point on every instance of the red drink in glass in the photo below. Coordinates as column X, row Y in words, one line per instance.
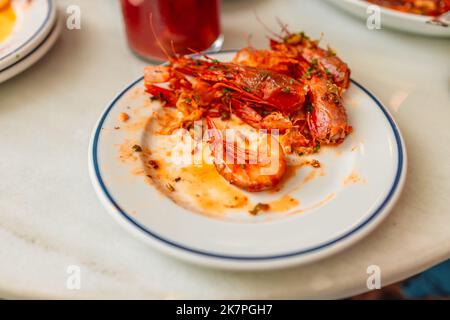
column 188, row 24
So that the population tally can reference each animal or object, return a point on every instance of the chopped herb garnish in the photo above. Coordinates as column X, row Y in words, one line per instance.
column 211, row 68
column 307, row 74
column 258, row 208
column 265, row 112
column 154, row 164
column 315, row 164
column 216, row 61
column 311, row 70
column 327, row 72
column 316, row 148
column 188, row 100
column 295, row 38
column 246, row 89
column 331, row 51
column 243, row 165
column 198, row 63
column 225, row 115
column 189, row 125
column 291, row 81
column 309, row 107
column 136, row 148
column 287, row 90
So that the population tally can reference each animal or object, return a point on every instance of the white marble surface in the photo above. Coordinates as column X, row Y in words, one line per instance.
column 50, row 217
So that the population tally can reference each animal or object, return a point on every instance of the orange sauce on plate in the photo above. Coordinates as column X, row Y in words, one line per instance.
column 7, row 19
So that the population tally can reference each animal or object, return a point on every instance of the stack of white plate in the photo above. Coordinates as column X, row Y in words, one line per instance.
column 35, row 32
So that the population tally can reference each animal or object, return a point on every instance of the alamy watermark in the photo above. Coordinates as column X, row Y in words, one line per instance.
column 373, row 21
column 227, row 147
column 374, row 280
column 73, row 281
column 73, row 21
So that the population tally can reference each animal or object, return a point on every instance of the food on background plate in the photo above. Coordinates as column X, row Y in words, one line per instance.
column 422, row 7
column 292, row 93
column 7, row 19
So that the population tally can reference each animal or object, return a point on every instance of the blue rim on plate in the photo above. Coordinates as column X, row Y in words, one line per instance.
column 50, row 8
column 124, row 214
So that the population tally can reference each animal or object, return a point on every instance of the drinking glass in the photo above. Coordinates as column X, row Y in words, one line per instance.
column 179, row 25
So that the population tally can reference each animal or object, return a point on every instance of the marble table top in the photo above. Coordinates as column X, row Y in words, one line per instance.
column 50, row 218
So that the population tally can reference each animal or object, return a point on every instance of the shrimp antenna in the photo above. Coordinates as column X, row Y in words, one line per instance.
column 164, row 50
column 321, row 37
column 249, row 40
column 283, row 26
column 270, row 31
column 172, row 46
column 200, row 53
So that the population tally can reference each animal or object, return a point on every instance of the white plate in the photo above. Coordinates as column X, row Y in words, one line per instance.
column 364, row 177
column 34, row 21
column 407, row 22
column 32, row 57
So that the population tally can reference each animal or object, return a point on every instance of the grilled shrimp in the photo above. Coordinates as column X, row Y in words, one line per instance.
column 272, row 120
column 309, row 50
column 326, row 116
column 251, row 93
column 247, row 169
column 278, row 61
column 295, row 88
column 247, row 84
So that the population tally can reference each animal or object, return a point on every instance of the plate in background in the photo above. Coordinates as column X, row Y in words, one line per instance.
column 408, row 22
column 34, row 22
column 32, row 57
